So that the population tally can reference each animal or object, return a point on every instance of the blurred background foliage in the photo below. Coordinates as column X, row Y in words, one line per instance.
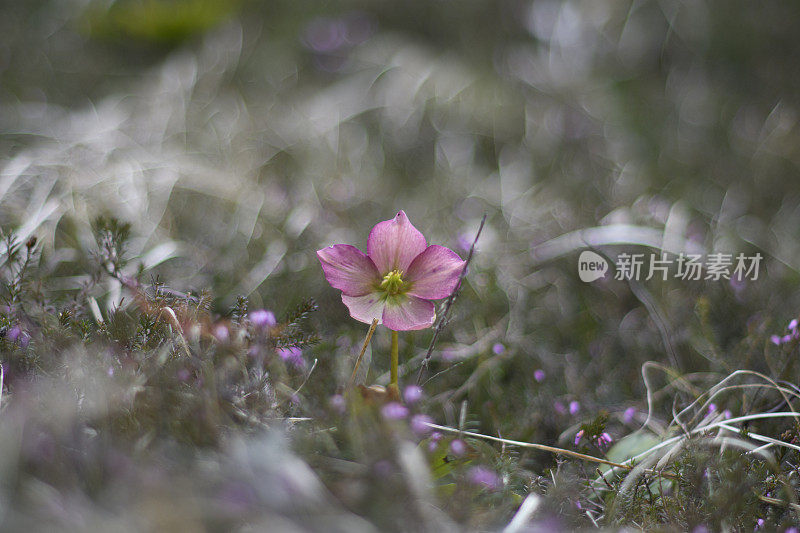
column 238, row 137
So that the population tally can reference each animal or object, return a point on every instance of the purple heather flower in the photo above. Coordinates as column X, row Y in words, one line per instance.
column 18, row 336
column 793, row 325
column 479, row 475
column 791, row 530
column 221, row 333
column 574, row 407
column 396, row 279
column 630, row 412
column 578, row 437
column 759, row 524
column 539, row 375
column 604, row 440
column 726, row 414
column 394, row 411
column 261, row 318
column 293, row 356
column 458, row 447
column 498, row 348
column 419, row 425
column 712, row 408
column 775, row 339
column 412, row 394
column 436, row 436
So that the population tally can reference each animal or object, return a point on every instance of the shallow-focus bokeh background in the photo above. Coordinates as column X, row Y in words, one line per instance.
column 238, row 137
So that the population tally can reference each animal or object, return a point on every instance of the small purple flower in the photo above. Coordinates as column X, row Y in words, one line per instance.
column 726, row 414
column 578, row 437
column 604, row 440
column 434, row 441
column 791, row 530
column 712, row 408
column 759, row 524
column 498, row 348
column 412, row 394
column 292, row 355
column 18, row 336
column 419, row 425
column 394, row 411
column 630, row 412
column 539, row 375
column 458, row 447
column 574, row 407
column 775, row 339
column 793, row 326
column 396, row 279
column 221, row 333
column 337, row 403
column 482, row 476
column 464, row 241
column 262, row 318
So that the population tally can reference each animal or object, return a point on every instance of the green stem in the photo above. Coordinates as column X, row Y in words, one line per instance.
column 395, row 358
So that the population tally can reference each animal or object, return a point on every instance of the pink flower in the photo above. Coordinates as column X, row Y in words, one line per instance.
column 396, row 279
column 394, row 411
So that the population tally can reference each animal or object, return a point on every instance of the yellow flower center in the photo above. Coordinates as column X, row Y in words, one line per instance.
column 392, row 282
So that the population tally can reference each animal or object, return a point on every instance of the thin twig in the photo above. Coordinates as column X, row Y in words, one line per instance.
column 546, row 448
column 449, row 303
column 363, row 350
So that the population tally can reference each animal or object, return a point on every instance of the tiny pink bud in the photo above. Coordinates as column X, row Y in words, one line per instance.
column 394, row 411
column 221, row 333
column 263, row 318
column 458, row 447
column 412, row 394
column 419, row 424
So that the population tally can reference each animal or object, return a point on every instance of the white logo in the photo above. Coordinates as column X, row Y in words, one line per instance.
column 591, row 266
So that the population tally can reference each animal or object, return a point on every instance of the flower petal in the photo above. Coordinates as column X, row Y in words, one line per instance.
column 365, row 308
column 434, row 273
column 393, row 244
column 348, row 269
column 408, row 312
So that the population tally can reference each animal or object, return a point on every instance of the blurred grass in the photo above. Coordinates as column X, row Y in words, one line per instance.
column 238, row 138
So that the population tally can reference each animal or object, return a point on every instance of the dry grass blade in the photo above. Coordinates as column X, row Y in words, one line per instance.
column 449, row 303
column 361, row 353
